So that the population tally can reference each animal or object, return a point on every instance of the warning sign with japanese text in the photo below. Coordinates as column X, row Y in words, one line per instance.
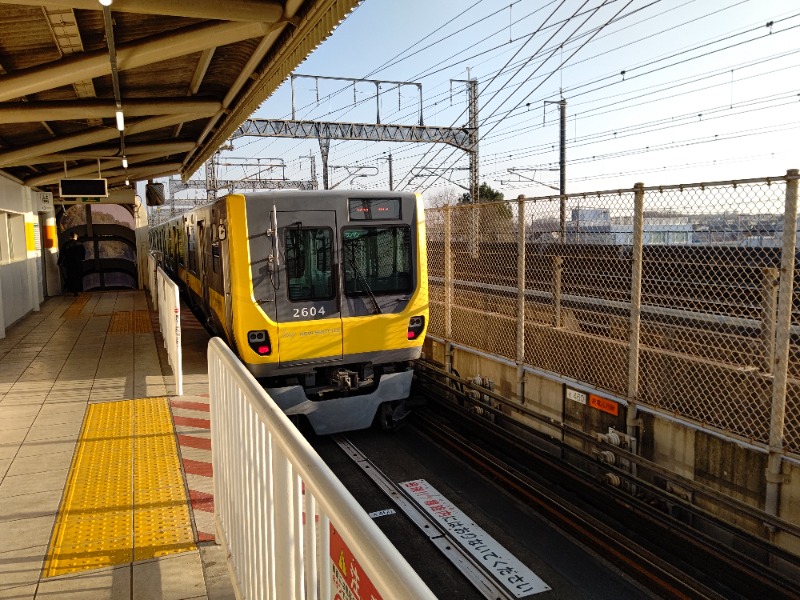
column 607, row 406
column 509, row 571
column 349, row 580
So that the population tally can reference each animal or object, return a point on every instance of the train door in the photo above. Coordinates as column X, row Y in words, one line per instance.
column 308, row 311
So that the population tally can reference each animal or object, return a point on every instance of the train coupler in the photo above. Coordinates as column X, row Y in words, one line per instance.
column 345, row 380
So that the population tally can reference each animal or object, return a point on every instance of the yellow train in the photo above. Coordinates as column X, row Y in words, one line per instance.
column 323, row 295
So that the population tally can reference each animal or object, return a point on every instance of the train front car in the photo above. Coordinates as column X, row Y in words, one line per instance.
column 330, row 301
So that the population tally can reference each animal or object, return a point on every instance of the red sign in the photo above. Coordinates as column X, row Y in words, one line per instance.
column 607, row 406
column 349, row 580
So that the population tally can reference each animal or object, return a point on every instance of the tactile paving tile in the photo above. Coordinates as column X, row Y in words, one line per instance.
column 94, row 523
column 161, row 520
column 135, row 321
column 74, row 310
column 125, row 499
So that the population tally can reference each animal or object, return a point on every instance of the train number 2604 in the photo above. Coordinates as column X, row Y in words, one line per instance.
column 308, row 312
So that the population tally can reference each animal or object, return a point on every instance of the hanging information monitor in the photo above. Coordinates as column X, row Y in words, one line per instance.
column 77, row 188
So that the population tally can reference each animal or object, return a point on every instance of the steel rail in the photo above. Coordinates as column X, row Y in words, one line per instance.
column 697, row 488
column 670, row 580
column 614, row 547
column 446, row 544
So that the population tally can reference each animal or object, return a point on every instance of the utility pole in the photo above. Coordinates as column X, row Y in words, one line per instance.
column 562, row 190
column 211, row 178
column 324, row 148
column 313, row 161
column 391, row 178
column 474, row 176
column 562, row 105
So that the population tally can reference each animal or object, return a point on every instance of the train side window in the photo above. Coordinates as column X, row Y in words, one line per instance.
column 215, row 257
column 192, row 250
column 308, row 263
column 180, row 247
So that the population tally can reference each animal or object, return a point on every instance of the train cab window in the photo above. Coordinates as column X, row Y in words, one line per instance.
column 309, row 258
column 377, row 260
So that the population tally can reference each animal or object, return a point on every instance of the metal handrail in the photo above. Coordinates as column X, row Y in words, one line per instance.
column 169, row 321
column 152, row 267
column 276, row 501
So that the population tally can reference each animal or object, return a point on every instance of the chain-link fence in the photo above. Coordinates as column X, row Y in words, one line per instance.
column 664, row 296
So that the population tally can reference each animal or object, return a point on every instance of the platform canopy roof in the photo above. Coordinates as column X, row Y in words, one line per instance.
column 183, row 73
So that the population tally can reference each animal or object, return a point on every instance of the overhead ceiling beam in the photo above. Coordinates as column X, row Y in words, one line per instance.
column 29, row 112
column 20, row 156
column 118, row 176
column 199, row 74
column 307, row 34
column 106, row 166
column 245, row 76
column 225, row 10
column 129, row 56
column 165, row 149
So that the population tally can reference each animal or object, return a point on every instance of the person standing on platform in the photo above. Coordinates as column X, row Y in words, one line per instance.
column 70, row 259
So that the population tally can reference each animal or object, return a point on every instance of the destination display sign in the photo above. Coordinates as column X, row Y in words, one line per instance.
column 374, row 209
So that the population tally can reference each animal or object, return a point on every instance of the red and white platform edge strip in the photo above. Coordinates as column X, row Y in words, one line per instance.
column 193, row 427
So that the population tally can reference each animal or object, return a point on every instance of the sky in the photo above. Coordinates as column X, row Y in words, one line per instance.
column 657, row 91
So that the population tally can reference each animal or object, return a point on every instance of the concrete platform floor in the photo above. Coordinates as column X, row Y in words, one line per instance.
column 99, row 347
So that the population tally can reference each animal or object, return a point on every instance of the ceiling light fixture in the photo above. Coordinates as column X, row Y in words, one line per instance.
column 124, row 163
column 127, row 182
column 120, row 120
column 105, row 2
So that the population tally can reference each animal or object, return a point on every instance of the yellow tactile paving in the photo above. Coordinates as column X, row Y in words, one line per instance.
column 74, row 310
column 161, row 522
column 124, row 498
column 130, row 321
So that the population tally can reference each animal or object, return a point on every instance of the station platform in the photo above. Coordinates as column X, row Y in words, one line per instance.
column 106, row 488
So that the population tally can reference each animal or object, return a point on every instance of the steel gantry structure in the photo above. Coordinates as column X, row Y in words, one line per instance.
column 463, row 138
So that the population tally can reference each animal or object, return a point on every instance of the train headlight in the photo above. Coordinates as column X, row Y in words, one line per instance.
column 416, row 325
column 259, row 342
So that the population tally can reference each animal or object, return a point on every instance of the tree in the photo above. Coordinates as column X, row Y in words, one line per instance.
column 443, row 197
column 485, row 194
column 495, row 217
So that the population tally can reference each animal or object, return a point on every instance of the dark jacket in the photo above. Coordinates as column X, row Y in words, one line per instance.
column 71, row 259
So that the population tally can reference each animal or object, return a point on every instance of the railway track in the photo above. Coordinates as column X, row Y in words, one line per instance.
column 447, row 545
column 656, row 549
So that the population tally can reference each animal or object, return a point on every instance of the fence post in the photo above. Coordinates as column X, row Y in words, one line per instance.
column 782, row 324
column 521, row 298
column 770, row 277
column 636, row 309
column 448, row 272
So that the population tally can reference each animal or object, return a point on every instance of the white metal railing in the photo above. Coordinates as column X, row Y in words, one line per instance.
column 152, row 266
column 169, row 321
column 275, row 502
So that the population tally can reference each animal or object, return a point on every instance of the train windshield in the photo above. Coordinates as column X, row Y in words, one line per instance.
column 377, row 260
column 308, row 263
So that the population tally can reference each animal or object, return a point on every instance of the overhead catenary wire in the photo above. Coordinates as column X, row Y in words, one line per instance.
column 590, row 96
column 566, row 60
